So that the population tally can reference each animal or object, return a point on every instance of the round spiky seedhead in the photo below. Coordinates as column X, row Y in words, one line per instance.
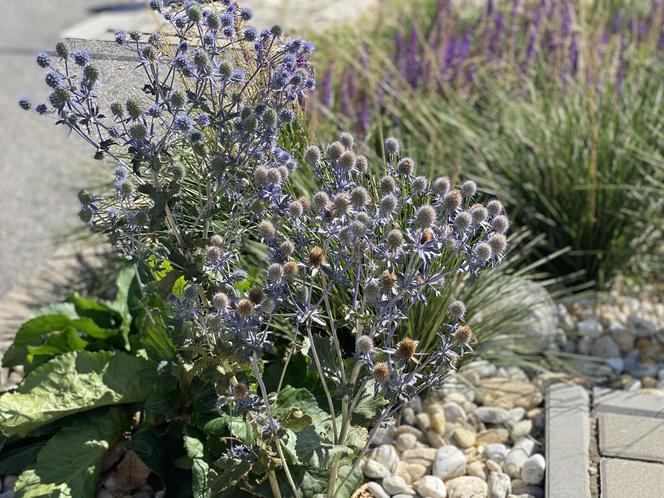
column 286, row 248
column 483, row 251
column 500, row 223
column 463, row 334
column 268, row 306
column 341, row 203
column 312, row 155
column 244, row 308
column 306, row 203
column 406, row 166
column 452, row 200
column 364, row 344
column 256, row 295
column 361, row 164
column 468, row 188
column 260, row 175
column 240, row 390
column 335, row 150
column 295, row 209
column 178, row 99
column 456, row 310
column 372, row 291
column 479, row 214
column 213, row 254
column 117, row 110
column 320, row 201
column 425, row 216
column 495, row 207
column 392, row 146
column 406, row 348
column 388, row 280
column 388, row 184
column 138, row 131
column 347, row 140
column 85, row 214
column 291, row 269
column 275, row 272
column 441, row 185
column 347, row 160
column 62, row 49
column 394, row 239
column 85, row 197
column 316, row 256
column 463, row 221
column 357, row 229
column 381, row 371
column 217, row 240
column 388, row 204
column 220, row 301
column 419, row 184
column 134, row 108
column 266, row 229
column 498, row 243
column 359, row 197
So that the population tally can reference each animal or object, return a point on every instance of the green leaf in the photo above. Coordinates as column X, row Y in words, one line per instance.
column 13, row 461
column 368, row 406
column 39, row 326
column 71, row 383
column 202, row 475
column 155, row 336
column 58, row 343
column 101, row 314
column 290, row 397
column 146, row 445
column 312, row 449
column 296, row 419
column 69, row 464
column 229, row 425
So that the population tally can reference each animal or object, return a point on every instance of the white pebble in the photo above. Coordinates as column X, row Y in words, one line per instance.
column 500, row 485
column 431, row 487
column 377, row 490
column 397, row 484
column 533, row 469
column 450, row 462
column 517, row 456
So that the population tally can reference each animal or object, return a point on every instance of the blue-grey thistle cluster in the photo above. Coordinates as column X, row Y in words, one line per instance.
column 213, row 102
column 387, row 244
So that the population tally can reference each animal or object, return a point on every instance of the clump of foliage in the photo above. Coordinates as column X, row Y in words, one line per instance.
column 254, row 339
column 554, row 106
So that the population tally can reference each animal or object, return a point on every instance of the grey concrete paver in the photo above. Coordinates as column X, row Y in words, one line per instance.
column 567, row 442
column 631, row 437
column 628, row 403
column 630, row 479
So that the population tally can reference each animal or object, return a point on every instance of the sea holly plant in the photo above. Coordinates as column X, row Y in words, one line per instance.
column 344, row 269
column 261, row 332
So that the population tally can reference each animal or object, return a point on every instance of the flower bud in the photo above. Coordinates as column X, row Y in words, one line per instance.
column 213, row 254
column 468, row 188
column 220, row 301
column 425, row 216
column 372, row 291
column 286, row 248
column 291, row 269
column 419, row 185
column 479, row 214
column 364, row 344
column 359, row 197
column 483, row 251
column 335, row 150
column 452, row 200
column 388, row 184
column 456, row 310
column 495, row 207
column 347, row 140
column 388, row 204
column 406, row 166
column 361, row 164
column 256, row 295
column 498, row 243
column 500, row 223
column 347, row 160
column 341, row 203
column 312, row 155
column 463, row 334
column 463, row 221
column 275, row 272
column 441, row 185
column 392, row 146
column 406, row 348
column 266, row 229
column 381, row 371
column 388, row 280
column 394, row 239
column 316, row 256
column 295, row 209
column 240, row 390
column 320, row 200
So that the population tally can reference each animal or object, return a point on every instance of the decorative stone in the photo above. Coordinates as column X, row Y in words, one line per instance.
column 435, row 439
column 405, row 441
column 496, row 391
column 402, row 470
column 450, row 462
column 467, row 487
column 493, row 466
column 396, row 484
column 454, row 412
column 521, row 429
column 589, row 328
column 500, row 485
column 423, row 421
column 605, row 347
column 517, row 456
column 111, row 483
column 428, row 454
column 409, row 429
column 616, row 364
column 375, row 470
column 533, row 469
column 517, row 413
column 476, row 469
column 386, row 455
column 377, row 490
column 431, row 487
column 438, row 421
column 495, row 452
column 408, row 416
column 492, row 415
column 465, row 435
column 415, row 471
column 382, row 436
column 482, row 367
column 493, row 436
column 641, row 325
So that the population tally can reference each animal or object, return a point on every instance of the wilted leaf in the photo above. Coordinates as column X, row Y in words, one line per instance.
column 132, row 472
column 70, row 383
column 69, row 464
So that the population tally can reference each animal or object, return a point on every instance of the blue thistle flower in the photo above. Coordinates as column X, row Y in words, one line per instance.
column 227, row 20
column 246, row 13
column 43, row 60
column 250, row 33
column 25, row 104
column 228, row 31
column 53, row 79
column 82, row 58
column 183, row 123
column 41, row 109
column 121, row 38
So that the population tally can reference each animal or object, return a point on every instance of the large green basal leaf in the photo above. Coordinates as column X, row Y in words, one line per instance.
column 68, row 466
column 70, row 383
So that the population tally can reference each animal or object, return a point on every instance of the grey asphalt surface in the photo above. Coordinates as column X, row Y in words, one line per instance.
column 41, row 167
